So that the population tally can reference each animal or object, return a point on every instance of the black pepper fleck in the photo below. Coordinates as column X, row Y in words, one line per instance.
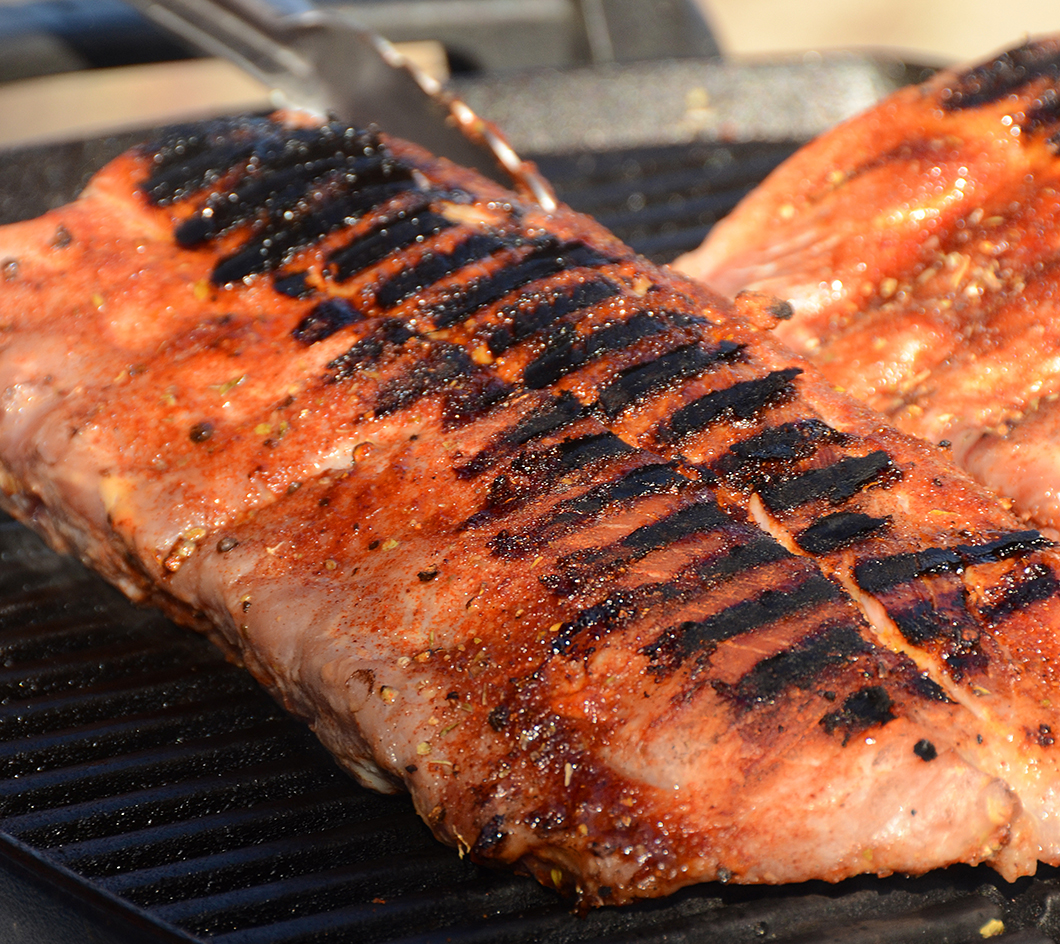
column 372, row 545
column 925, row 750
column 426, row 576
column 225, row 545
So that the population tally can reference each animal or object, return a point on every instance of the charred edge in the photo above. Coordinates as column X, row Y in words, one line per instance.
column 293, row 285
column 468, row 389
column 274, row 244
column 836, row 484
column 550, row 257
column 565, row 350
column 883, row 573
column 325, row 319
column 1044, row 114
column 802, row 665
column 561, row 412
column 1003, row 75
column 741, row 402
column 490, row 837
column 837, row 530
column 533, row 473
column 753, row 462
column 1037, row 583
column 701, row 637
column 522, row 320
column 389, row 336
column 434, row 267
column 640, row 381
column 863, row 709
column 408, row 226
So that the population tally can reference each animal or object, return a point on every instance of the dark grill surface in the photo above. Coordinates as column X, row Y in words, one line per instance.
column 158, row 787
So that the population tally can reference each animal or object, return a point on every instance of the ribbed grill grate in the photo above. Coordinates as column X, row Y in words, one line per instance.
column 133, row 755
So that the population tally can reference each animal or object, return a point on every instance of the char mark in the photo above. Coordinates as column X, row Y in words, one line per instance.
column 752, row 463
column 572, row 513
column 468, row 390
column 435, row 266
column 532, row 473
column 836, row 484
column 636, row 383
column 325, row 319
column 1036, row 583
column 558, row 413
column 549, row 257
column 694, row 580
column 331, row 208
column 526, row 318
column 880, row 574
column 806, row 664
column 701, row 637
column 837, row 530
column 741, row 402
column 293, row 285
column 387, row 338
column 1002, row 76
column 408, row 226
column 566, row 350
column 865, row 708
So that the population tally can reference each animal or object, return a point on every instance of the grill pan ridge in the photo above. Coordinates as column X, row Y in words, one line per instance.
column 150, row 791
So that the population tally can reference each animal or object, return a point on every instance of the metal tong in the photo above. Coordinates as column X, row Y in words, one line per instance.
column 320, row 60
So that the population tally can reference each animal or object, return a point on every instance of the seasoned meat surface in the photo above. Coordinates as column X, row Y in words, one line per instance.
column 622, row 591
column 919, row 245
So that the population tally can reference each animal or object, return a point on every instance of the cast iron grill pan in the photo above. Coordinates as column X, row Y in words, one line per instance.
column 150, row 791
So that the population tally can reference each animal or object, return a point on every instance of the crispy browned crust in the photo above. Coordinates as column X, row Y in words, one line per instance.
column 623, row 592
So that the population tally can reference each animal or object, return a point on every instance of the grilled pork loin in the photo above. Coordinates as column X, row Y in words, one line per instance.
column 620, row 590
column 919, row 245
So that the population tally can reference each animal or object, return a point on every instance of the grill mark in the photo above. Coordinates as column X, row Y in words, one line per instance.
column 752, row 462
column 279, row 187
column 741, row 402
column 409, row 225
column 534, row 472
column 521, row 322
column 434, row 267
column 325, row 319
column 1005, row 74
column 469, row 389
column 1038, row 583
column 694, row 580
column 837, row 483
column 575, row 454
column 921, row 623
column 293, row 285
column 570, row 514
column 273, row 245
column 566, row 350
column 701, row 517
column 701, row 637
column 640, row 381
column 882, row 573
column 558, row 413
column 865, row 708
column 801, row 666
column 549, row 258
column 390, row 335
column 837, row 530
